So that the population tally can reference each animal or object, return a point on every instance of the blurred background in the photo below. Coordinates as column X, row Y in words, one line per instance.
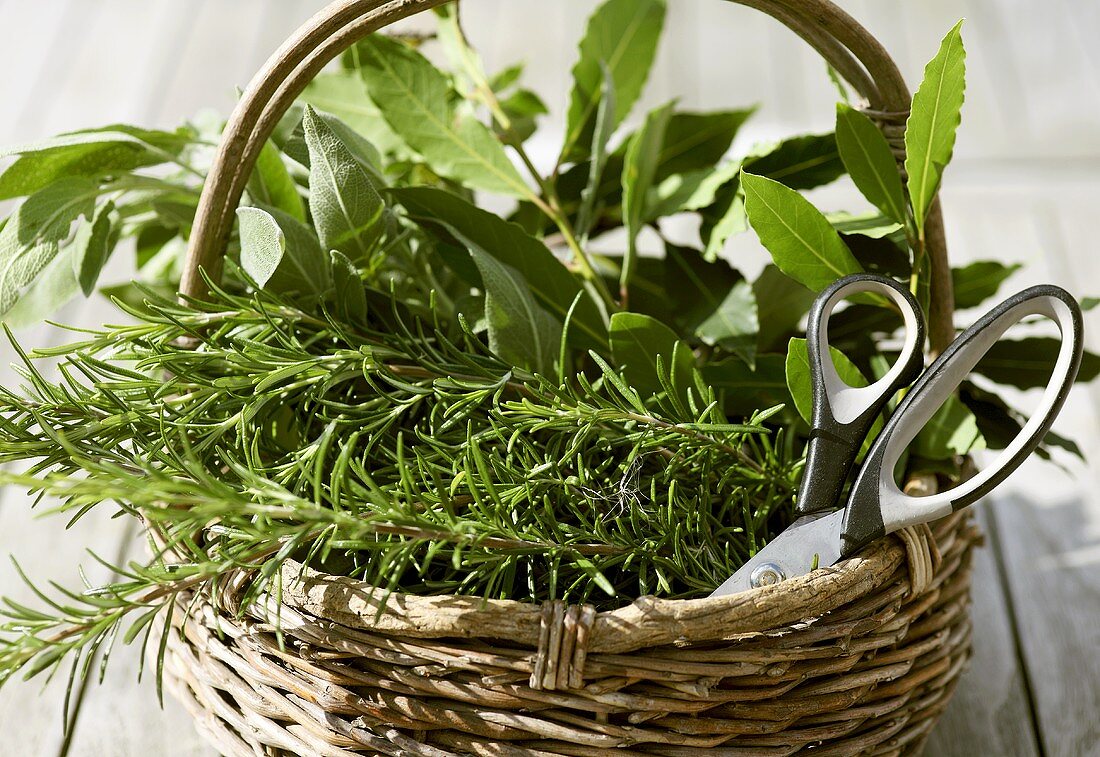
column 1024, row 187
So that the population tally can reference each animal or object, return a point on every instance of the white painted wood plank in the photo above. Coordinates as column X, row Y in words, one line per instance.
column 990, row 712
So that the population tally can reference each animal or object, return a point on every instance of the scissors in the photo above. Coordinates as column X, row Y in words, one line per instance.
column 843, row 416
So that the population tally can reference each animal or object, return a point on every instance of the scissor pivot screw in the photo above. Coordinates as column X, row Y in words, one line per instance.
column 766, row 574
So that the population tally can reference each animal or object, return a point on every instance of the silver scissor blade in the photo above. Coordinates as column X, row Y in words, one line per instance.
column 793, row 552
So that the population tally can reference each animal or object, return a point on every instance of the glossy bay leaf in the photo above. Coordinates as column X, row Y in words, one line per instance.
column 639, row 170
column 933, row 120
column 1027, row 363
column 636, row 341
column 870, row 162
column 801, row 240
column 415, row 98
column 713, row 301
column 977, row 282
column 622, row 35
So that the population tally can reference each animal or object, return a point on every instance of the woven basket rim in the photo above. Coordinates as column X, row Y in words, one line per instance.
column 645, row 622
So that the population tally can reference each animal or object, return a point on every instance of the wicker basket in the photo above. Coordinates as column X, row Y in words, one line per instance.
column 858, row 658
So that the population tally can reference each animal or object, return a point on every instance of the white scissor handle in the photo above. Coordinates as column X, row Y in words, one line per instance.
column 877, row 506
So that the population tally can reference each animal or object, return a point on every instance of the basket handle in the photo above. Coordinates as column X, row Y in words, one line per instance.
column 839, row 38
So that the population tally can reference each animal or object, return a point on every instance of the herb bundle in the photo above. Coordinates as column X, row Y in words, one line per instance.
column 392, row 383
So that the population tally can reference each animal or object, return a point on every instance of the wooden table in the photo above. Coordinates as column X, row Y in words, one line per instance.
column 1025, row 187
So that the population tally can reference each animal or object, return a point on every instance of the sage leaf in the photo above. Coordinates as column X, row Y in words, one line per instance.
column 800, row 382
column 520, row 331
column 636, row 342
column 801, row 240
column 933, row 121
column 621, row 35
column 870, row 162
column 1026, row 363
column 262, row 244
column 639, row 170
column 349, row 296
column 977, row 282
column 54, row 286
column 952, row 431
column 554, row 286
column 91, row 153
column 304, row 269
column 344, row 203
column 415, row 99
column 714, row 301
column 92, row 246
column 31, row 238
column 271, row 183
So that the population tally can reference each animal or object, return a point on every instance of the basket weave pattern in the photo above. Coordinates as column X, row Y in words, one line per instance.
column 870, row 674
column 858, row 658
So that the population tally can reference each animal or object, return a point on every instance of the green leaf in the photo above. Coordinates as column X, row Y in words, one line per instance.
column 694, row 190
column 725, row 218
column 977, row 282
column 872, row 225
column 800, row 383
column 636, row 342
column 415, row 98
column 799, row 163
column 743, row 389
column 714, row 302
column 92, row 246
column 601, row 136
column 698, row 141
column 621, row 35
column 952, row 431
column 999, row 423
column 801, row 240
column 933, row 121
column 1027, row 363
column 304, row 268
column 343, row 201
column 520, row 331
column 54, row 286
column 550, row 281
column 271, row 184
column 343, row 94
column 262, row 244
column 870, row 162
column 1088, row 303
column 639, row 170
column 349, row 296
column 802, row 162
column 781, row 304
column 31, row 238
column 91, row 153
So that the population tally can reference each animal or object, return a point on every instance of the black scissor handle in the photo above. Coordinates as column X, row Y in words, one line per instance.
column 877, row 506
column 843, row 414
